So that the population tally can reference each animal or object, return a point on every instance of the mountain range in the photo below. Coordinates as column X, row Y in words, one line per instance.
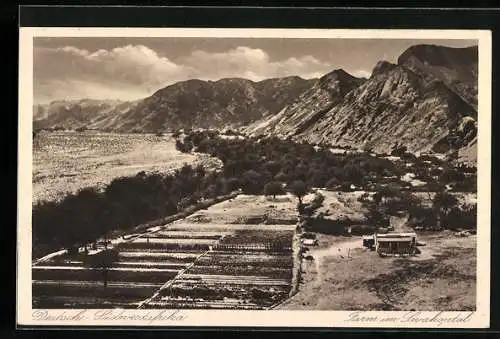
column 426, row 101
column 229, row 102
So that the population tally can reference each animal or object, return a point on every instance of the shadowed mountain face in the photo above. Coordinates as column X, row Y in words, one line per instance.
column 422, row 102
column 310, row 107
column 188, row 104
column 456, row 67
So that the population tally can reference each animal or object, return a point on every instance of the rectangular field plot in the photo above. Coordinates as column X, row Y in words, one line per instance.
column 223, row 292
column 167, row 234
column 118, row 274
column 139, row 256
column 165, row 246
column 260, row 259
column 69, row 293
column 154, row 241
column 275, row 272
column 184, row 225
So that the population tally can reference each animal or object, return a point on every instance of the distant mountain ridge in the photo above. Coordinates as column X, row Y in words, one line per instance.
column 192, row 103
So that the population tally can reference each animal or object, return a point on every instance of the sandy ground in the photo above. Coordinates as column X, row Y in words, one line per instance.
column 249, row 209
column 342, row 204
column 346, row 276
column 65, row 162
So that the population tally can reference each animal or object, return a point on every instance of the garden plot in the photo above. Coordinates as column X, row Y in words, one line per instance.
column 158, row 256
column 251, row 268
column 66, row 281
column 115, row 291
column 168, row 234
column 118, row 274
column 183, row 225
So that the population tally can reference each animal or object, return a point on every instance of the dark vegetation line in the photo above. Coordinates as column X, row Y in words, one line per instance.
column 268, row 166
column 89, row 214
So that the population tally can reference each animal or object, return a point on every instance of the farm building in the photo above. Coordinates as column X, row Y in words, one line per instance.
column 392, row 243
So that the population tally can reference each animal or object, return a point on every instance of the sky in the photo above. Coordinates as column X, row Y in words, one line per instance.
column 133, row 68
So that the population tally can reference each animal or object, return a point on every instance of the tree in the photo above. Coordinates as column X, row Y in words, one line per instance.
column 443, row 202
column 252, row 182
column 377, row 215
column 451, row 175
column 273, row 188
column 282, row 177
column 333, row 183
column 103, row 261
column 273, row 167
column 299, row 189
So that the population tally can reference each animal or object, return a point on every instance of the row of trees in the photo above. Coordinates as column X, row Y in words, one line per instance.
column 260, row 161
column 83, row 217
column 444, row 210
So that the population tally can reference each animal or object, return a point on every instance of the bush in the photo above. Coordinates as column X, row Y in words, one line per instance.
column 299, row 189
column 273, row 188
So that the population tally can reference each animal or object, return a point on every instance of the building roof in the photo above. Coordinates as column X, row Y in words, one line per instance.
column 396, row 235
column 402, row 239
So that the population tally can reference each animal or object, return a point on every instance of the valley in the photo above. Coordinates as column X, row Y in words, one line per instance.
column 241, row 194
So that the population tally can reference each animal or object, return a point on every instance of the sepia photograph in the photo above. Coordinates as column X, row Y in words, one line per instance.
column 194, row 170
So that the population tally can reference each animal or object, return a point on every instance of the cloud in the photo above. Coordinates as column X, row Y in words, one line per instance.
column 252, row 63
column 360, row 73
column 133, row 71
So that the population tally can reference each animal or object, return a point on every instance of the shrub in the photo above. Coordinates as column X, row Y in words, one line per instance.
column 299, row 189
column 273, row 188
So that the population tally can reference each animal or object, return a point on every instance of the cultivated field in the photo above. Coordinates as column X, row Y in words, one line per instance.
column 67, row 161
column 186, row 264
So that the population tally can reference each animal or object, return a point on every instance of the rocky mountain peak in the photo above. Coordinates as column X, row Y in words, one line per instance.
column 338, row 82
column 457, row 68
column 382, row 67
column 440, row 55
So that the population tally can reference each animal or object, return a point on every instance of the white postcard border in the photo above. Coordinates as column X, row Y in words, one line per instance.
column 332, row 319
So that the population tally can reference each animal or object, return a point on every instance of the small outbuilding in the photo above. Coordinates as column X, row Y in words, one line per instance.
column 395, row 244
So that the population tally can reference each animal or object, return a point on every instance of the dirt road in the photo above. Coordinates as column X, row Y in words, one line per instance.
column 340, row 249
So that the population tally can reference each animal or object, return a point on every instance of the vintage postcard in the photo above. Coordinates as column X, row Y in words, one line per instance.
column 254, row 177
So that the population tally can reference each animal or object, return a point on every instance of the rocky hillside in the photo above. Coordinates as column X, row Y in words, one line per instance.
column 310, row 107
column 456, row 67
column 421, row 102
column 73, row 114
column 213, row 104
column 188, row 104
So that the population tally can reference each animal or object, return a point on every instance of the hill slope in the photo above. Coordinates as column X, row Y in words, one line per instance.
column 309, row 107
